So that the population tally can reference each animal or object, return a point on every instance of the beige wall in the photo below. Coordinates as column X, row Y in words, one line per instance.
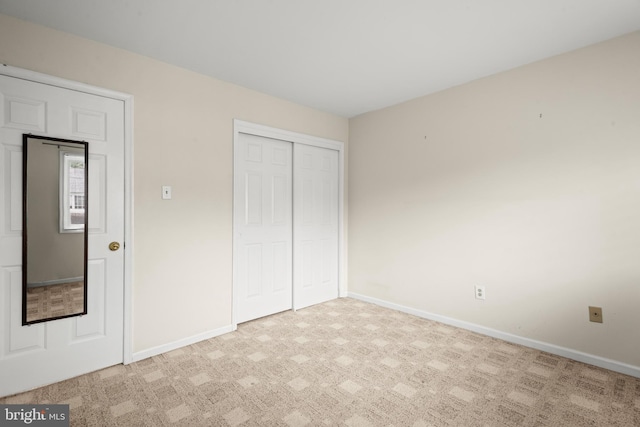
column 527, row 182
column 183, row 133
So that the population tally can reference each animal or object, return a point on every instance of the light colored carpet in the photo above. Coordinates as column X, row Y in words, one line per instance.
column 349, row 363
column 44, row 302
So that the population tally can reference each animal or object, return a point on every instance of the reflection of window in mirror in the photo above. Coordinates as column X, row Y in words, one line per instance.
column 73, row 201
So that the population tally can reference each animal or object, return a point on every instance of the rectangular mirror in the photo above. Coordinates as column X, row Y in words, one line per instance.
column 54, row 246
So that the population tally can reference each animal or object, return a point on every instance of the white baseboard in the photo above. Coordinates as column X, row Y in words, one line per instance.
column 601, row 362
column 144, row 354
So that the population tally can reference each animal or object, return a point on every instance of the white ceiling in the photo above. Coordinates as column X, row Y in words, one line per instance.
column 342, row 56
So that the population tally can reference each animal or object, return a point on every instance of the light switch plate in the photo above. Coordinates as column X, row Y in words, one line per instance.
column 166, row 192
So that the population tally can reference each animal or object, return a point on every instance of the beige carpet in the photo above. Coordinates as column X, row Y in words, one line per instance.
column 44, row 302
column 349, row 363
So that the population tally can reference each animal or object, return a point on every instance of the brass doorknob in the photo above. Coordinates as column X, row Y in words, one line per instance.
column 114, row 246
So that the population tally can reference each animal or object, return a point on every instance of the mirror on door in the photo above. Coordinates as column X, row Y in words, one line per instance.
column 54, row 220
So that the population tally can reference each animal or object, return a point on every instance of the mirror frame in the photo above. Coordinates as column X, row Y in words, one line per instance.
column 25, row 262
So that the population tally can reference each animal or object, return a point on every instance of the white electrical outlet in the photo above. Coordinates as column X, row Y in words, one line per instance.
column 480, row 292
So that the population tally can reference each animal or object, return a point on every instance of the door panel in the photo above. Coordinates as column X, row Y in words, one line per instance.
column 316, row 225
column 43, row 353
column 262, row 227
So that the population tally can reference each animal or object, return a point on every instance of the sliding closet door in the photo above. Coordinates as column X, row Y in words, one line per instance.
column 262, row 227
column 286, row 221
column 316, row 225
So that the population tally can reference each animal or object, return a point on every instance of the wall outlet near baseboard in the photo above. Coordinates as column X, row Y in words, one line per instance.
column 480, row 292
column 595, row 314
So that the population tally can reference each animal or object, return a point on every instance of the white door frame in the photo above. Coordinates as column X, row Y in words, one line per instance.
column 127, row 99
column 239, row 127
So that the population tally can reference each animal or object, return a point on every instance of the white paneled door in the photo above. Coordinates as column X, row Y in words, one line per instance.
column 286, row 225
column 315, row 194
column 47, row 352
column 262, row 226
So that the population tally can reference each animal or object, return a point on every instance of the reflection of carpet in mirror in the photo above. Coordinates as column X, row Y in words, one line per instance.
column 44, row 302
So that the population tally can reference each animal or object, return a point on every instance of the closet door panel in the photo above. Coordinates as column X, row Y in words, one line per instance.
column 315, row 224
column 263, row 227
